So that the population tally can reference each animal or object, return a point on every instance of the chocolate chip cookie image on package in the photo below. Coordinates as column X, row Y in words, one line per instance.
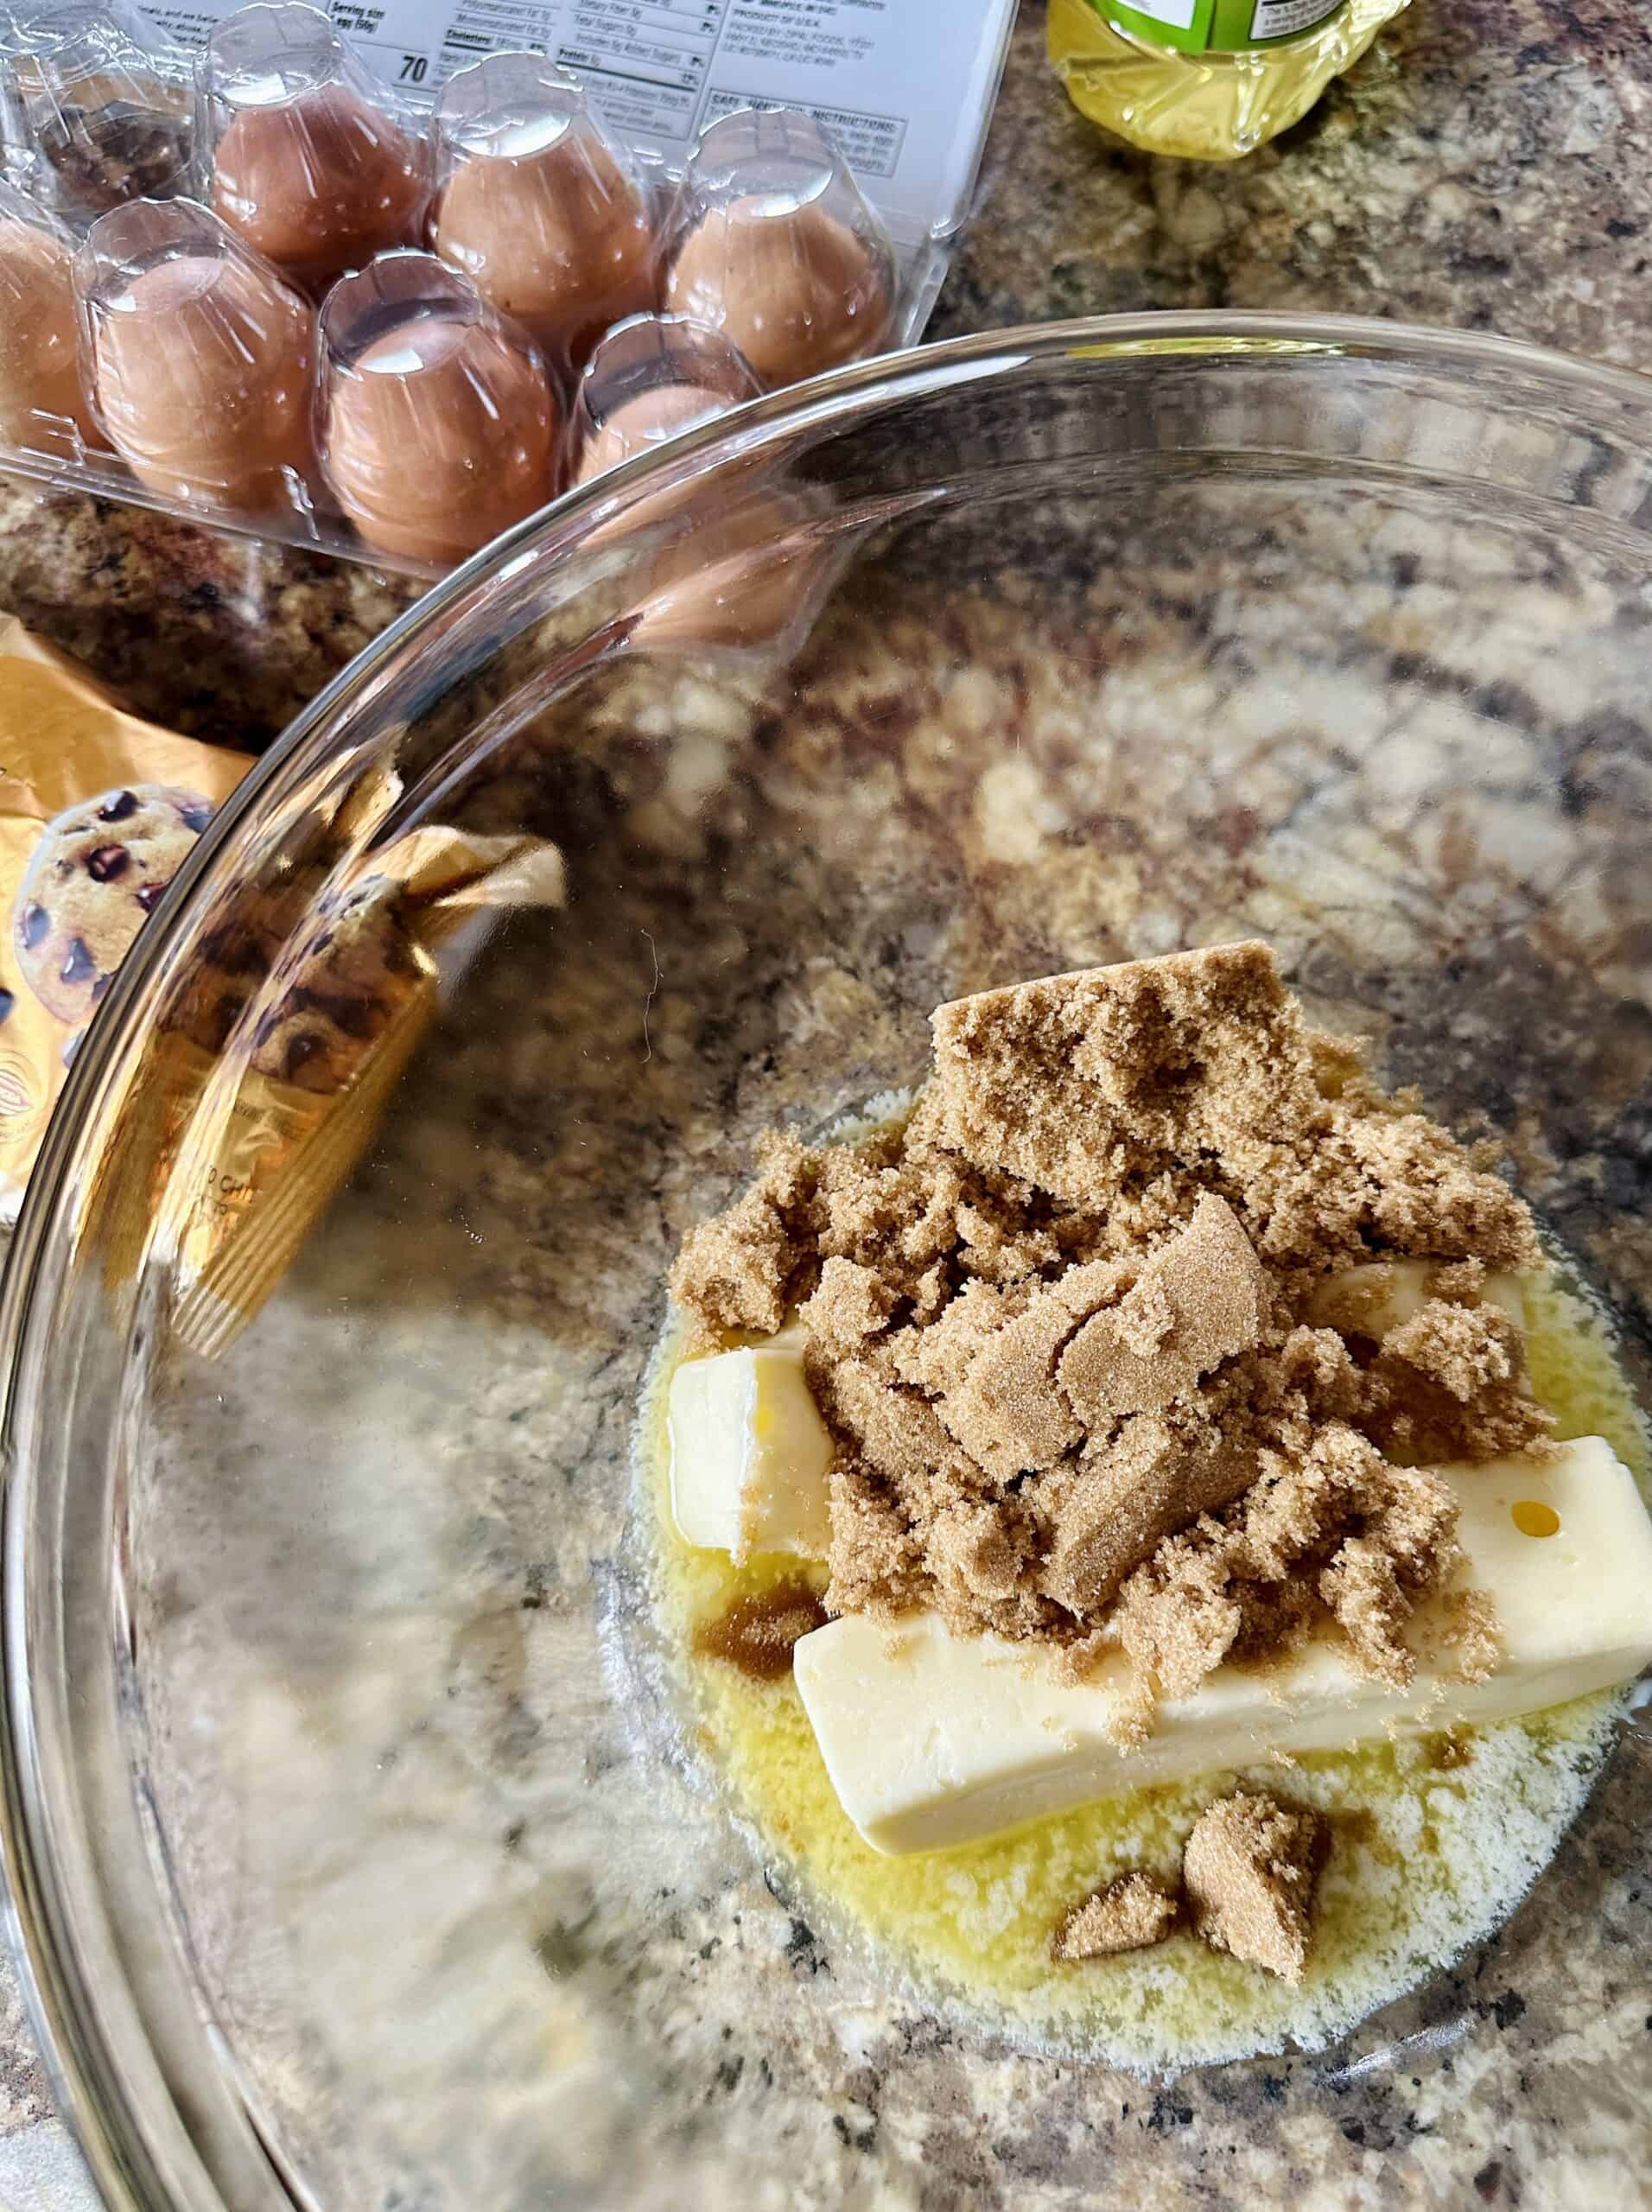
column 340, row 987
column 95, row 876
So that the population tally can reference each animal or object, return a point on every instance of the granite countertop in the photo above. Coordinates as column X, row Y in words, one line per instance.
column 1484, row 167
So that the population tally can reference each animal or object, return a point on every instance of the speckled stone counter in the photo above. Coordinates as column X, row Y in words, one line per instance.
column 1484, row 167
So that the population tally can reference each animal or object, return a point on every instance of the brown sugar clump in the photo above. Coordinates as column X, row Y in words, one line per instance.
column 877, row 1558
column 1362, row 1589
column 937, row 1358
column 1078, row 1328
column 1129, row 1913
column 1202, row 1299
column 1005, row 1408
column 1064, row 1080
column 1379, row 1185
column 1249, row 1869
column 850, row 1304
column 1450, row 1384
column 1465, row 1349
column 741, row 1269
column 1007, row 1412
column 1342, row 1526
column 1124, row 1498
column 1180, row 1613
column 979, row 1558
column 1474, row 1634
column 898, row 1431
column 1299, row 1501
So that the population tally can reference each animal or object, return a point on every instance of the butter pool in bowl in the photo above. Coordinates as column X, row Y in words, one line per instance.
column 377, row 1834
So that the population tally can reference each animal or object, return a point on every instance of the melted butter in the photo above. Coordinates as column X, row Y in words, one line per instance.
column 756, row 1631
column 1435, row 1841
column 1533, row 1518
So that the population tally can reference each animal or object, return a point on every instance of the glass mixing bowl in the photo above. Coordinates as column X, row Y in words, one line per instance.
column 360, row 1857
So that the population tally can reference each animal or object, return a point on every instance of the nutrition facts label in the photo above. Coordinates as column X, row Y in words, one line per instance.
column 650, row 64
column 904, row 85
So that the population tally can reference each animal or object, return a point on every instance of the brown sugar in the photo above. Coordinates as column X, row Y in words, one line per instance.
column 1462, row 1348
column 1129, row 1913
column 1180, row 1615
column 738, row 1270
column 1005, row 1408
column 1341, row 1525
column 1126, row 1497
column 877, row 1556
column 897, row 1429
column 851, row 1305
column 1249, row 1869
column 937, row 1358
column 1450, row 1384
column 1063, row 1080
column 1069, row 1323
column 1473, row 1634
column 757, row 1634
column 1204, row 1297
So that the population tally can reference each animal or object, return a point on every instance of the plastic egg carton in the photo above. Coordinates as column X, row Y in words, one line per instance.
column 257, row 285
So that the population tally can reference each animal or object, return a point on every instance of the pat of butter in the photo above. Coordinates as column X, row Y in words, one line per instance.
column 750, row 1452
column 933, row 1740
column 1373, row 1298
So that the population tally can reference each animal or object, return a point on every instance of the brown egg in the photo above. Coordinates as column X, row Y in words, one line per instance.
column 633, row 429
column 39, row 368
column 204, row 381
column 737, row 581
column 644, row 421
column 320, row 184
column 796, row 292
column 560, row 240
column 442, row 433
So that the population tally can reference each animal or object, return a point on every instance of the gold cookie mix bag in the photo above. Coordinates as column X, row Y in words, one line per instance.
column 97, row 810
column 273, row 1068
column 270, row 1067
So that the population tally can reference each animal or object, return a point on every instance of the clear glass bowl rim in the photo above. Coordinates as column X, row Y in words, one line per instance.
column 145, row 2153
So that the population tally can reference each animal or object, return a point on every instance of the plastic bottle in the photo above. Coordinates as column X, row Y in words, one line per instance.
column 1207, row 80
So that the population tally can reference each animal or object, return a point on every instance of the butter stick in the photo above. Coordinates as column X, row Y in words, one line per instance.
column 933, row 1740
